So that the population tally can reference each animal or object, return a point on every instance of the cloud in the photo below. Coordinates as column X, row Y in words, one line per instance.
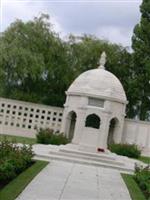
column 25, row 10
column 76, row 16
column 115, row 34
column 110, row 19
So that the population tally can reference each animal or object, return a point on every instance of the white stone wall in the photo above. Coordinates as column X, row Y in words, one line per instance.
column 137, row 132
column 22, row 118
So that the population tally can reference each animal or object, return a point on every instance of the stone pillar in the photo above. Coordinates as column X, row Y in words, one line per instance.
column 104, row 128
column 65, row 123
column 80, row 123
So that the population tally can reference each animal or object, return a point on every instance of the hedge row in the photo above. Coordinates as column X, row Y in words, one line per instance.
column 13, row 160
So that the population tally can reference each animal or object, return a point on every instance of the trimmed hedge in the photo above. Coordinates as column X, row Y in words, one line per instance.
column 129, row 150
column 142, row 177
column 134, row 190
column 13, row 160
column 47, row 136
column 17, row 185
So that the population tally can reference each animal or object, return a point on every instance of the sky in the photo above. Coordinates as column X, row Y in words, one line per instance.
column 113, row 20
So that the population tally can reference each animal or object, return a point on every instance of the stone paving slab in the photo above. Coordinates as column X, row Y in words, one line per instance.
column 70, row 181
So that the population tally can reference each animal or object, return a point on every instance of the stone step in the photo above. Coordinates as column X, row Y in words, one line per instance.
column 87, row 157
column 50, row 157
column 89, row 154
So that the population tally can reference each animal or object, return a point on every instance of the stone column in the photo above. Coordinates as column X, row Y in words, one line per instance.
column 104, row 128
column 80, row 123
column 64, row 123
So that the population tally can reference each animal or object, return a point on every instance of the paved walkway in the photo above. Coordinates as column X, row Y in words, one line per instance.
column 70, row 181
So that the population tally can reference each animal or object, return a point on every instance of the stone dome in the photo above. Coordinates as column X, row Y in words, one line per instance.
column 98, row 83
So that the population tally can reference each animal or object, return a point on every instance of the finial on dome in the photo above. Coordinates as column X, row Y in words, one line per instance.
column 102, row 61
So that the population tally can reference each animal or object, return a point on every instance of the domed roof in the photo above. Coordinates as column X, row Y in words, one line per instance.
column 98, row 83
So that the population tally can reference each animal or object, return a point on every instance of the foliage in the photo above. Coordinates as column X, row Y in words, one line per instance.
column 141, row 61
column 37, row 65
column 16, row 186
column 33, row 62
column 13, row 160
column 129, row 150
column 142, row 177
column 47, row 136
column 134, row 190
column 59, row 139
column 44, row 136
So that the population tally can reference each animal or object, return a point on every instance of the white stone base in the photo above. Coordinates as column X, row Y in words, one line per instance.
column 72, row 153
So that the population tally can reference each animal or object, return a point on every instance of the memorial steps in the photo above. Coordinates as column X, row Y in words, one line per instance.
column 106, row 160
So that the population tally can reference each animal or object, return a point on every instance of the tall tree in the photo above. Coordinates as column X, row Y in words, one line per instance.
column 33, row 62
column 37, row 65
column 141, row 58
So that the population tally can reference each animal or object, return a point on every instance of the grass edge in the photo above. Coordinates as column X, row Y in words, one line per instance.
column 16, row 186
column 133, row 188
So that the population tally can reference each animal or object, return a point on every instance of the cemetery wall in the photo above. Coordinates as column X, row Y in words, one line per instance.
column 23, row 118
column 137, row 132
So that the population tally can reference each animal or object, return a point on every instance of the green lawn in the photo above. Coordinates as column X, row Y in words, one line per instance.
column 18, row 139
column 134, row 190
column 16, row 186
column 145, row 159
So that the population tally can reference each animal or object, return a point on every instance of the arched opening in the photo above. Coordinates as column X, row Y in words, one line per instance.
column 92, row 121
column 71, row 123
column 112, row 129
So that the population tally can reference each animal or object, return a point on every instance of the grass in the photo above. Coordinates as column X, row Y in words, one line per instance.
column 134, row 190
column 145, row 159
column 16, row 186
column 18, row 139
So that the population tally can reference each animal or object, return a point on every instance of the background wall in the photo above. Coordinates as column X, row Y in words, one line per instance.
column 137, row 132
column 22, row 118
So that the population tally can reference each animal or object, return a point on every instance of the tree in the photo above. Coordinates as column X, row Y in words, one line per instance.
column 33, row 62
column 37, row 65
column 141, row 60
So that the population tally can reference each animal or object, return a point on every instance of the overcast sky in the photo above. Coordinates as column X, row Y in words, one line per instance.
column 107, row 19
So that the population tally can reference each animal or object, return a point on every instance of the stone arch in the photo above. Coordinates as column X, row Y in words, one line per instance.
column 113, row 129
column 92, row 121
column 70, row 124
